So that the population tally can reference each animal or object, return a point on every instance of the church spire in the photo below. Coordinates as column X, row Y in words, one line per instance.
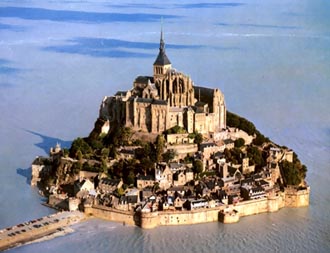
column 162, row 59
column 162, row 43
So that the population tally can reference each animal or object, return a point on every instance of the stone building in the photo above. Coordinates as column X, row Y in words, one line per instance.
column 164, row 100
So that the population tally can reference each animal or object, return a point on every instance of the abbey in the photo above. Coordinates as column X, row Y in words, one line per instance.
column 164, row 100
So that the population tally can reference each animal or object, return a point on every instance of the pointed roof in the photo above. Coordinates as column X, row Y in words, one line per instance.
column 162, row 58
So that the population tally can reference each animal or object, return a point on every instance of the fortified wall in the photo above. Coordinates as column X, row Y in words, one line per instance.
column 107, row 213
column 294, row 198
column 225, row 214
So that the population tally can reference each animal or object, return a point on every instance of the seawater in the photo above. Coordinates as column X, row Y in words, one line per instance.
column 270, row 58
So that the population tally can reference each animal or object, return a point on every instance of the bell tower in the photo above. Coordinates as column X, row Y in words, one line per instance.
column 162, row 63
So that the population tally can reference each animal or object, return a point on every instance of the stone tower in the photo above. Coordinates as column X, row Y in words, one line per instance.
column 173, row 86
column 162, row 63
column 165, row 100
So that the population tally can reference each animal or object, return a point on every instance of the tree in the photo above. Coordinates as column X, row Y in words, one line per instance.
column 176, row 130
column 234, row 120
column 146, row 165
column 104, row 166
column 255, row 156
column 82, row 145
column 119, row 136
column 126, row 135
column 117, row 169
column 105, row 152
column 260, row 139
column 95, row 144
column 76, row 167
column 119, row 192
column 169, row 155
column 233, row 155
column 198, row 138
column 79, row 155
column 197, row 166
column 65, row 152
column 130, row 179
column 160, row 145
column 291, row 173
column 239, row 142
column 113, row 151
column 156, row 187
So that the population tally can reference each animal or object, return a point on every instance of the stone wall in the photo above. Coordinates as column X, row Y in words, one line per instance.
column 252, row 207
column 189, row 217
column 297, row 198
column 183, row 149
column 171, row 218
column 111, row 214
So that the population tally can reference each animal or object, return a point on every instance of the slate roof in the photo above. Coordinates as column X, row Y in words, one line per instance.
column 144, row 100
column 162, row 59
column 159, row 102
column 144, row 79
column 121, row 93
column 108, row 181
column 147, row 177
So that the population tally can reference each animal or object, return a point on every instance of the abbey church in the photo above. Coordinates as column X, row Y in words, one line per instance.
column 164, row 100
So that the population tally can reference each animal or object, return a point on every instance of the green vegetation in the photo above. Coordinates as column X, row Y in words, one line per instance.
column 256, row 157
column 76, row 167
column 233, row 155
column 239, row 142
column 93, row 154
column 128, row 169
column 66, row 152
column 169, row 155
column 198, row 138
column 81, row 145
column 197, row 167
column 146, row 152
column 188, row 159
column 92, row 168
column 233, row 120
column 293, row 173
column 208, row 173
column 159, row 146
column 119, row 192
column 119, row 136
column 176, row 130
column 260, row 139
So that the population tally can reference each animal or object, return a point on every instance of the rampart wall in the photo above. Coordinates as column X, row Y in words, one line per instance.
column 170, row 218
column 111, row 214
column 295, row 198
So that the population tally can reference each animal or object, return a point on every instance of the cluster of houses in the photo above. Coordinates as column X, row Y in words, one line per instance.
column 174, row 186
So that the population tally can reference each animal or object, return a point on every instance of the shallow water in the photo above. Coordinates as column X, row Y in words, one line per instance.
column 270, row 58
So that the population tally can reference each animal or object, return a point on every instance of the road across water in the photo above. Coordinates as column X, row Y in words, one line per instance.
column 38, row 228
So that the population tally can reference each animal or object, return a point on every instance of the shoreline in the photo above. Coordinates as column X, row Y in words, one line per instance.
column 147, row 220
column 49, row 235
column 224, row 213
column 44, row 228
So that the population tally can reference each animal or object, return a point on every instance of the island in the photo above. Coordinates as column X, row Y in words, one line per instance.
column 167, row 152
